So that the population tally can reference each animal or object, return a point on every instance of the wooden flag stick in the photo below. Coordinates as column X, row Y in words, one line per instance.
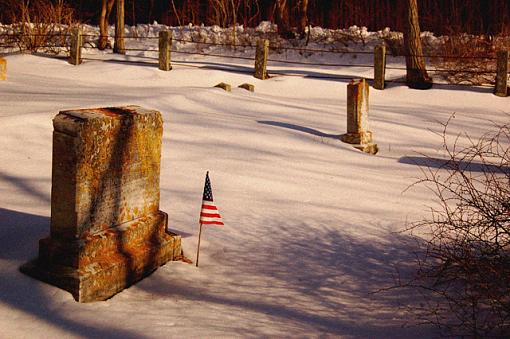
column 198, row 247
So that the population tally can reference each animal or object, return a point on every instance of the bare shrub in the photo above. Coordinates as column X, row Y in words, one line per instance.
column 39, row 24
column 221, row 12
column 464, row 268
column 395, row 44
column 469, row 59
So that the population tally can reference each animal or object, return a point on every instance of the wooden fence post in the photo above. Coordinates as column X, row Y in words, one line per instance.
column 165, row 46
column 501, row 89
column 379, row 66
column 76, row 44
column 3, row 69
column 261, row 56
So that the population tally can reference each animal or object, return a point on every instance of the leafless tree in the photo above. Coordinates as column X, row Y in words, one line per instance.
column 303, row 17
column 282, row 19
column 106, row 9
column 417, row 76
column 119, row 46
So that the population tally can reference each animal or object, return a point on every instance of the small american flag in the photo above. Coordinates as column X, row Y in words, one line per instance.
column 209, row 214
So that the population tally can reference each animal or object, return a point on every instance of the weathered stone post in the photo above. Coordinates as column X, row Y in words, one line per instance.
column 379, row 66
column 75, row 49
column 3, row 69
column 261, row 56
column 358, row 132
column 165, row 46
column 107, row 231
column 501, row 89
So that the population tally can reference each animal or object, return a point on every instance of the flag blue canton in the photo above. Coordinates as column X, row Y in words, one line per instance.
column 207, row 189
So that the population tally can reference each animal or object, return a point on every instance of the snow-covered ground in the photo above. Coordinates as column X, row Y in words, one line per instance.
column 311, row 223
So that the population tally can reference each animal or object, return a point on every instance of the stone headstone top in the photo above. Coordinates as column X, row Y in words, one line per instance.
column 106, row 168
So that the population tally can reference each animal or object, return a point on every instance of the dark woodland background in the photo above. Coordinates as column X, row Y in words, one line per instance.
column 438, row 16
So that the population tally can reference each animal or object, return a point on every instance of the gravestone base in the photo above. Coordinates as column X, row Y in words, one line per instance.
column 367, row 148
column 357, row 138
column 362, row 141
column 98, row 266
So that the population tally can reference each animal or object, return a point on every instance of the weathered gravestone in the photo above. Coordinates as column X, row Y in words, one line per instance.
column 358, row 130
column 107, row 231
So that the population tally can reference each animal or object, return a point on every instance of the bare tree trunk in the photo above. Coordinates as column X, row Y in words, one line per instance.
column 303, row 18
column 417, row 76
column 234, row 26
column 133, row 13
column 119, row 46
column 151, row 7
column 176, row 14
column 282, row 19
column 106, row 9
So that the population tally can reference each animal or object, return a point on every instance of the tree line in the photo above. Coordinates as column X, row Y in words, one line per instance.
column 439, row 16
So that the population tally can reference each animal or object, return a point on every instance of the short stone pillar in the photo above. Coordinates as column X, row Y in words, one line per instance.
column 358, row 130
column 107, row 231
column 76, row 45
column 165, row 47
column 379, row 66
column 3, row 69
column 501, row 89
column 261, row 56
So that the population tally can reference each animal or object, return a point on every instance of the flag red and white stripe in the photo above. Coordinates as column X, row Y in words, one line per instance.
column 209, row 214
